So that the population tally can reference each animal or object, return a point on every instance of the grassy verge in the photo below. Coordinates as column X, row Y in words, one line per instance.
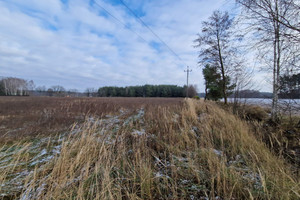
column 194, row 150
column 281, row 136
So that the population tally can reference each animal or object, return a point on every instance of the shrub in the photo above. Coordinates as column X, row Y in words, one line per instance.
column 256, row 113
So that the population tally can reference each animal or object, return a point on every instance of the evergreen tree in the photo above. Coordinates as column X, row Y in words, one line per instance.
column 142, row 91
column 290, row 86
column 213, row 86
column 214, row 83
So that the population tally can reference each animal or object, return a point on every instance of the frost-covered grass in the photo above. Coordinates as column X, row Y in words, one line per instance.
column 192, row 150
column 20, row 160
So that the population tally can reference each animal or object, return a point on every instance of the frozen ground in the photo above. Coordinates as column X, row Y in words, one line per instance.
column 19, row 161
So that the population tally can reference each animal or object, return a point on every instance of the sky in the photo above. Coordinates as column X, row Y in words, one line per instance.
column 77, row 44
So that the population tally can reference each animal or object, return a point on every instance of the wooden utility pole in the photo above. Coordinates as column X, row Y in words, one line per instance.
column 188, row 71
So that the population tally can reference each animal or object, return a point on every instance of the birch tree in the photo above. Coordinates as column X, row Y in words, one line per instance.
column 215, row 46
column 273, row 25
column 16, row 86
column 284, row 12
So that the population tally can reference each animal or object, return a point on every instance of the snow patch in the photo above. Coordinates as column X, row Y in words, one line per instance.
column 138, row 132
column 160, row 175
column 217, row 152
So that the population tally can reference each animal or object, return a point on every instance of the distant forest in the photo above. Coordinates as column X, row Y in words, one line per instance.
column 147, row 91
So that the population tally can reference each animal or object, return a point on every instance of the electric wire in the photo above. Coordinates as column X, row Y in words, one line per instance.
column 143, row 23
column 126, row 26
column 156, row 35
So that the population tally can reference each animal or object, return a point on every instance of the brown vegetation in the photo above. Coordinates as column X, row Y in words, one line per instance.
column 281, row 136
column 162, row 150
column 23, row 117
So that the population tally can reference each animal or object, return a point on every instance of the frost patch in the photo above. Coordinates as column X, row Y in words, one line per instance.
column 175, row 118
column 246, row 173
column 160, row 175
column 217, row 152
column 138, row 132
column 138, row 117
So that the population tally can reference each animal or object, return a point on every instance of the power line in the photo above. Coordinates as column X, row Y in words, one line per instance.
column 188, row 71
column 137, row 17
column 129, row 28
column 126, row 26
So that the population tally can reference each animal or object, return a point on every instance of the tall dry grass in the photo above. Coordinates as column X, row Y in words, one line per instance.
column 190, row 151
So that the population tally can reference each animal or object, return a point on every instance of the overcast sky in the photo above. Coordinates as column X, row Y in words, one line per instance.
column 76, row 44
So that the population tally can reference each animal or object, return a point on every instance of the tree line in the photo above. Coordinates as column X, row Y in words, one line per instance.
column 147, row 91
column 11, row 86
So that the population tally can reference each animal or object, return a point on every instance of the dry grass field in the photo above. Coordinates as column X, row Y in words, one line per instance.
column 26, row 117
column 134, row 148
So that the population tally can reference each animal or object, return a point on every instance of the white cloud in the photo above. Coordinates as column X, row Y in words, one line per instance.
column 79, row 46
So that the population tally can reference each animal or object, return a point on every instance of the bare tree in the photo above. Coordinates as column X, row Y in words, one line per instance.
column 58, row 90
column 16, row 86
column 267, row 10
column 215, row 46
column 91, row 92
column 30, row 85
column 41, row 89
column 270, row 21
column 242, row 79
column 50, row 92
column 73, row 92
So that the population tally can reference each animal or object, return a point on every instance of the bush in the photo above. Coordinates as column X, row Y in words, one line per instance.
column 256, row 113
